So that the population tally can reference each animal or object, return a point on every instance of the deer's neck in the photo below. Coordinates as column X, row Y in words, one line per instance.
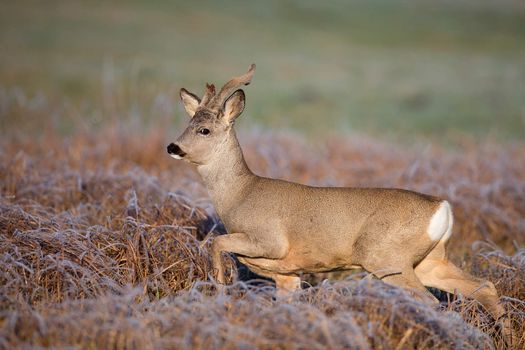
column 227, row 177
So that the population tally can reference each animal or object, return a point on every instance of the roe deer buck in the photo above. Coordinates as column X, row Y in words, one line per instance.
column 281, row 229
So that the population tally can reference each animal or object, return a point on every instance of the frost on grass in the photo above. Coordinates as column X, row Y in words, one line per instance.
column 346, row 314
column 105, row 243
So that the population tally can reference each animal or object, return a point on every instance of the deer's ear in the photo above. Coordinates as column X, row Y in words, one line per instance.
column 190, row 101
column 233, row 106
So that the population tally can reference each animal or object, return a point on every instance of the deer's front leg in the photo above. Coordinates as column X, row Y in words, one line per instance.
column 286, row 284
column 242, row 244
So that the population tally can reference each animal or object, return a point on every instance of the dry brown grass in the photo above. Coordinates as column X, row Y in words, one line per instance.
column 105, row 244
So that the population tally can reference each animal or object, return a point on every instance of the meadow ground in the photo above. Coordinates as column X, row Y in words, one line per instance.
column 105, row 244
column 435, row 68
column 104, row 239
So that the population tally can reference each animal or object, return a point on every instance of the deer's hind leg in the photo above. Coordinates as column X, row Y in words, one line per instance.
column 407, row 279
column 436, row 271
column 400, row 275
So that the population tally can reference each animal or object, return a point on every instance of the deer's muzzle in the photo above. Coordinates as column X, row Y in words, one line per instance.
column 175, row 151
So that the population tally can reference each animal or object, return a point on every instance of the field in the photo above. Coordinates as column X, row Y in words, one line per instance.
column 105, row 240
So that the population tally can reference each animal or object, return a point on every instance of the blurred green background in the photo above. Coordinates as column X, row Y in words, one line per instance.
column 398, row 69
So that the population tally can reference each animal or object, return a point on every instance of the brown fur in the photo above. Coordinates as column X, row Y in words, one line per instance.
column 281, row 229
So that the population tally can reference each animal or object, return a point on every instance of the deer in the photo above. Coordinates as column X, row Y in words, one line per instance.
column 281, row 230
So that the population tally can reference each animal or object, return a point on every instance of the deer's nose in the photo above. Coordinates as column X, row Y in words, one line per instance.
column 175, row 150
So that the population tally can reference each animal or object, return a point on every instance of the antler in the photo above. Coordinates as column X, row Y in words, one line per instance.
column 208, row 95
column 229, row 88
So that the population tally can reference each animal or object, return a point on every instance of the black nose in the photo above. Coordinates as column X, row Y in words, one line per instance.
column 174, row 149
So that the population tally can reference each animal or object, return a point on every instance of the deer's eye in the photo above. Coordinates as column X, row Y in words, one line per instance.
column 204, row 131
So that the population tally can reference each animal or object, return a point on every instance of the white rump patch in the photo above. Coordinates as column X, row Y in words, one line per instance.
column 176, row 156
column 440, row 226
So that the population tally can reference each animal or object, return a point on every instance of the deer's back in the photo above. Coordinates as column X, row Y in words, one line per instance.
column 328, row 221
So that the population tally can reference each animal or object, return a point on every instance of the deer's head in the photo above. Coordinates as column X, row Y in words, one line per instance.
column 212, row 119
